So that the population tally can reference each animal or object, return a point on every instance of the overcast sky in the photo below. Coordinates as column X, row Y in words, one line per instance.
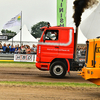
column 34, row 11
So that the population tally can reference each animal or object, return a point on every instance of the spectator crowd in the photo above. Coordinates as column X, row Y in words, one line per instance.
column 23, row 49
column 81, row 51
column 26, row 49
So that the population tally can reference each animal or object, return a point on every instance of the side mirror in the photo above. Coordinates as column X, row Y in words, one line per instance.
column 44, row 38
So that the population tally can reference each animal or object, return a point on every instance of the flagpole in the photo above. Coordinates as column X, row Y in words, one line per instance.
column 12, row 40
column 21, row 30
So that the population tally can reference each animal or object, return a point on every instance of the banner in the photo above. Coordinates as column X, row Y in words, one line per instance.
column 61, row 13
column 25, row 57
column 15, row 21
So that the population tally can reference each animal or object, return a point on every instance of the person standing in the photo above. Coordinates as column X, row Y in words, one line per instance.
column 33, row 49
column 1, row 50
column 28, row 50
column 7, row 49
column 4, row 48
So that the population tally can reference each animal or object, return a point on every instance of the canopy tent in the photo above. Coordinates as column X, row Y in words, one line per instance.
column 81, row 38
column 27, row 38
column 90, row 27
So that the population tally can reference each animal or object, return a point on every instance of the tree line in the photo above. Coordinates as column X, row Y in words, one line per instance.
column 35, row 30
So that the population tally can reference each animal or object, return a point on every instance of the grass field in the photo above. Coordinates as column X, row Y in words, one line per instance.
column 48, row 84
column 11, row 61
column 16, row 64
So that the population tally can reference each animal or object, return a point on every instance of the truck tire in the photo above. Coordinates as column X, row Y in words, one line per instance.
column 58, row 69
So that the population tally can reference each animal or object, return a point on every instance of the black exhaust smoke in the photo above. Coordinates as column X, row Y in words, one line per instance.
column 79, row 7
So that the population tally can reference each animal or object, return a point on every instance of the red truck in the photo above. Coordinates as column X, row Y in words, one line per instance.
column 56, row 51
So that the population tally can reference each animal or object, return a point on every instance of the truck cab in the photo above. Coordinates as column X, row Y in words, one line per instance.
column 55, row 50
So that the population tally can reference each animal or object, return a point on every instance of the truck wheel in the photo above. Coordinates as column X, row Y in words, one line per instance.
column 58, row 69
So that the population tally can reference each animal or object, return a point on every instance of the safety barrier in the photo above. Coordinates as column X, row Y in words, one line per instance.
column 18, row 57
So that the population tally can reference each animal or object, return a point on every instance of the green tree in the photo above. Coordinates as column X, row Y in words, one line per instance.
column 35, row 29
column 5, row 32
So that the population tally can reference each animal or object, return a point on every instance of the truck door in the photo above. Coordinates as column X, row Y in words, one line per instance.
column 50, row 48
column 66, row 49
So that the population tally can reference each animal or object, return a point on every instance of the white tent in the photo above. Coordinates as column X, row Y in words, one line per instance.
column 81, row 38
column 27, row 38
column 90, row 27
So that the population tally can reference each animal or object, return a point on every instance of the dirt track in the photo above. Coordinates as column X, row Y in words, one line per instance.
column 43, row 92
column 35, row 75
column 48, row 93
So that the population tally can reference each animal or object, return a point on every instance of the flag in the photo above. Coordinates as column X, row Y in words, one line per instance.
column 61, row 12
column 15, row 21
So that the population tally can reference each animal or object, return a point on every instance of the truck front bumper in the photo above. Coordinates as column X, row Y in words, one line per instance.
column 43, row 66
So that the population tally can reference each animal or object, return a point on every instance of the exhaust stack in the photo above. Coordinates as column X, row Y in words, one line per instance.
column 75, row 42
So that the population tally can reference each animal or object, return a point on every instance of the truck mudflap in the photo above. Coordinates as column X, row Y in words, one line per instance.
column 91, row 74
column 68, row 66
